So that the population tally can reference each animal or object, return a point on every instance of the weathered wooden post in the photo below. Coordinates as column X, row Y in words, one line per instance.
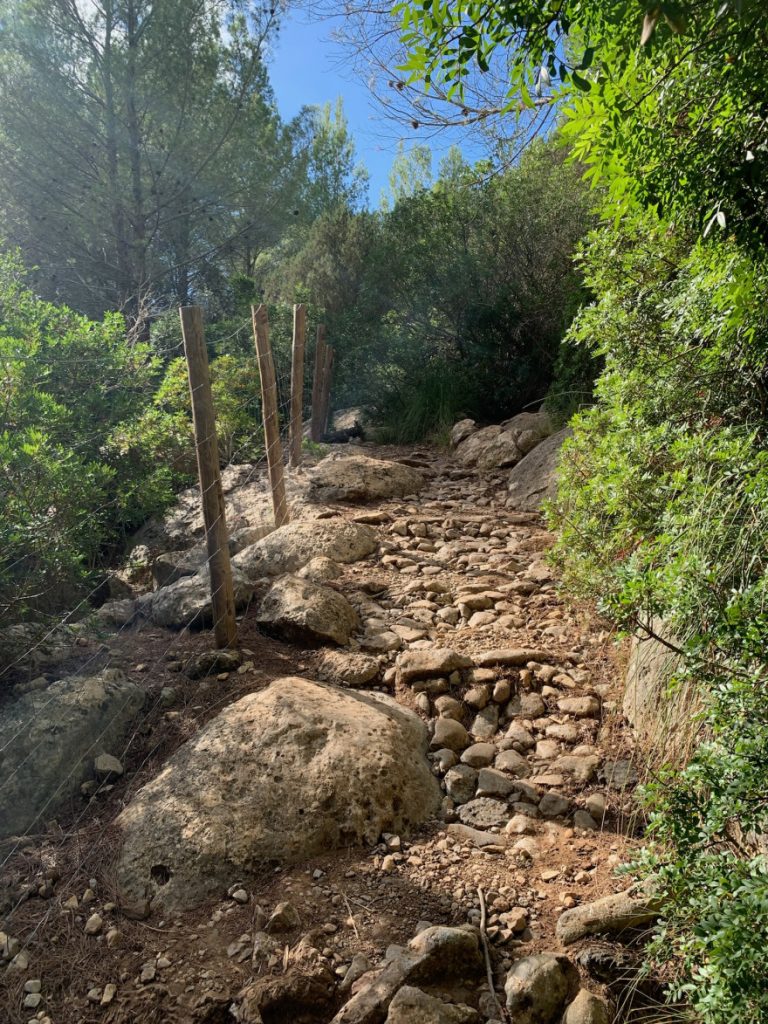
column 297, row 382
column 206, row 444
column 316, row 429
column 269, row 411
column 325, row 401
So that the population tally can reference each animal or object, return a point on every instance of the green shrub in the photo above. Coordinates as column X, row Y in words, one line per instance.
column 65, row 382
column 663, row 511
column 424, row 405
column 94, row 439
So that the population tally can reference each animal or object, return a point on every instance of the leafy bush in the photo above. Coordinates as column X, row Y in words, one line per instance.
column 66, row 382
column 470, row 281
column 94, row 439
column 663, row 512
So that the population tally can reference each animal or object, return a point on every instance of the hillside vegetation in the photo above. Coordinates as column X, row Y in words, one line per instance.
column 616, row 269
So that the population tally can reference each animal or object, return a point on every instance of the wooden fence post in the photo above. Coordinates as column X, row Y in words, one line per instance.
column 269, row 411
column 217, row 540
column 325, row 400
column 316, row 428
column 297, row 382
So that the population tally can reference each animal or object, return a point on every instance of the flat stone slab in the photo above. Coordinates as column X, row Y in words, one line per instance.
column 513, row 656
column 356, row 478
column 483, row 812
column 424, row 664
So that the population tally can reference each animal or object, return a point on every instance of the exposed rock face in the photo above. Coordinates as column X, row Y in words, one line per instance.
column 534, row 479
column 610, row 914
column 356, row 478
column 664, row 721
column 307, row 613
column 292, row 546
column 280, row 776
column 49, row 739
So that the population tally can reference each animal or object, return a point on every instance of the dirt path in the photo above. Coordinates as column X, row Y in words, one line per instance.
column 456, row 569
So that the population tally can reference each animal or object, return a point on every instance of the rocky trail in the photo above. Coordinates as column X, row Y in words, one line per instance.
column 403, row 800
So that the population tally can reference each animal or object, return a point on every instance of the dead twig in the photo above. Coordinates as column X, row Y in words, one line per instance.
column 487, row 954
column 351, row 916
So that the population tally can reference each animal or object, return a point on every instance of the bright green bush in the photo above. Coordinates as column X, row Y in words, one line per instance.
column 663, row 512
column 65, row 382
column 94, row 439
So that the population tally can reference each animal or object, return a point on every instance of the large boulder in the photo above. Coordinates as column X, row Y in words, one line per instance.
column 472, row 447
column 50, row 738
column 187, row 602
column 504, row 444
column 303, row 612
column 356, row 478
column 293, row 546
column 534, row 479
column 461, row 431
column 278, row 777
column 538, row 987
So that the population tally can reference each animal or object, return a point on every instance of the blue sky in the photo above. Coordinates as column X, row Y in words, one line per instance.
column 307, row 67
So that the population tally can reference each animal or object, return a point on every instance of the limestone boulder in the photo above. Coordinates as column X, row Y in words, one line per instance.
column 472, row 447
column 412, row 1006
column 529, row 428
column 588, row 1008
column 502, row 451
column 307, row 613
column 503, row 444
column 35, row 646
column 297, row 544
column 249, row 512
column 347, row 669
column 461, row 431
column 278, row 777
column 357, row 478
column 49, row 740
column 538, row 987
column 534, row 479
column 432, row 661
column 187, row 602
